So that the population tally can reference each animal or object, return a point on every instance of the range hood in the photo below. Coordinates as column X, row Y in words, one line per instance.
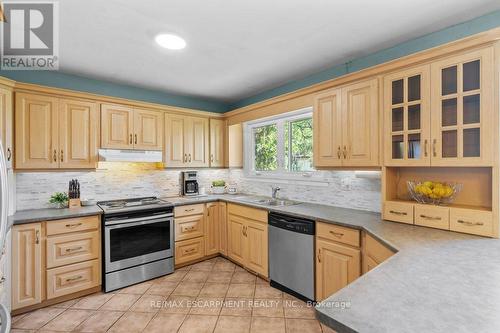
column 124, row 155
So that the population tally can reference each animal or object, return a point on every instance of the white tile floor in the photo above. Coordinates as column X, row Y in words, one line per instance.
column 211, row 296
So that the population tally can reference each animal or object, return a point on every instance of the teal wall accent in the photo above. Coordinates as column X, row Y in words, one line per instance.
column 455, row 32
column 74, row 82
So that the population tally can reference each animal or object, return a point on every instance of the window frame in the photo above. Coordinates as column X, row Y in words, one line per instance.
column 280, row 172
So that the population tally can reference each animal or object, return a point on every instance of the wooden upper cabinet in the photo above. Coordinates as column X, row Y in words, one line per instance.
column 327, row 122
column 123, row 127
column 117, row 126
column 462, row 109
column 78, row 138
column 407, row 117
column 37, row 132
column 175, row 151
column 148, row 129
column 26, row 265
column 346, row 126
column 360, row 124
column 7, row 124
column 197, row 132
column 186, row 143
column 217, row 134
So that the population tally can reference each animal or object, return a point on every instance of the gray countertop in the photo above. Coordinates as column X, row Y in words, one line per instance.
column 47, row 214
column 439, row 281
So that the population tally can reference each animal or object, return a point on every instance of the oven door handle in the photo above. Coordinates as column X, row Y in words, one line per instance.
column 139, row 220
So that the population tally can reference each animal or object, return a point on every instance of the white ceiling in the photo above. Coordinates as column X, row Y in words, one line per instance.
column 239, row 48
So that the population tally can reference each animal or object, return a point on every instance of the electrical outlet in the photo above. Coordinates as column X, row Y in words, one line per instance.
column 345, row 183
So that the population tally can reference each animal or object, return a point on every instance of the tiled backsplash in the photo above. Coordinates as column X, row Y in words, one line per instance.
column 112, row 181
column 121, row 180
column 339, row 188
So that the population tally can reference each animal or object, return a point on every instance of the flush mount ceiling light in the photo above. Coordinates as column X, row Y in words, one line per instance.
column 170, row 41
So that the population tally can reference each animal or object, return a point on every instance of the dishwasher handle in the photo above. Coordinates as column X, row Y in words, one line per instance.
column 292, row 223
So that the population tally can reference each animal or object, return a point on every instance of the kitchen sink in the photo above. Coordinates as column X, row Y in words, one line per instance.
column 277, row 202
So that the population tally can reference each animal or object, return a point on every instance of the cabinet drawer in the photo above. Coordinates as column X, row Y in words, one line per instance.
column 189, row 210
column 248, row 212
column 376, row 250
column 188, row 250
column 338, row 234
column 471, row 221
column 432, row 216
column 398, row 211
column 72, row 248
column 73, row 278
column 188, row 227
column 71, row 225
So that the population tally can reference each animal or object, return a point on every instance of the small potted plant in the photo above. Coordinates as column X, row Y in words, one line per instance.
column 218, row 186
column 59, row 200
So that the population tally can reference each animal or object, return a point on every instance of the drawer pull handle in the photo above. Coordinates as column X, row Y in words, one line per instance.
column 430, row 217
column 190, row 250
column 189, row 210
column 397, row 213
column 337, row 234
column 319, row 255
column 9, row 154
column 470, row 223
column 184, row 229
column 72, row 225
column 75, row 278
column 73, row 249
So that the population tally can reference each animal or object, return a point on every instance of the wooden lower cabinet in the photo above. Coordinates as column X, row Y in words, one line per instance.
column 374, row 253
column 26, row 265
column 189, row 250
column 223, row 228
column 248, row 238
column 212, row 226
column 236, row 239
column 53, row 259
column 73, row 278
column 337, row 265
column 256, row 236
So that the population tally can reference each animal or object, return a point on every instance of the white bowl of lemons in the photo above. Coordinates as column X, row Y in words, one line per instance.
column 432, row 192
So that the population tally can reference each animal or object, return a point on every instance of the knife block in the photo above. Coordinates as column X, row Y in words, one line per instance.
column 74, row 203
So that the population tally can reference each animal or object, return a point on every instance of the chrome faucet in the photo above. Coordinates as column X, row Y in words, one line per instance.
column 275, row 190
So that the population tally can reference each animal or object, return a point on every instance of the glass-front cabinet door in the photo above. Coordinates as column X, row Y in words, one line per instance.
column 407, row 117
column 462, row 105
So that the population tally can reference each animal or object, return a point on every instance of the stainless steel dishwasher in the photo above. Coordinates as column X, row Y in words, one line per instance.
column 291, row 255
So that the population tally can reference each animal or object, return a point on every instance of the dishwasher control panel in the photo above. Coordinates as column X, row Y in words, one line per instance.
column 292, row 223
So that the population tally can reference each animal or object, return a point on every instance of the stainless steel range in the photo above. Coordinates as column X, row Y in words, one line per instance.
column 138, row 241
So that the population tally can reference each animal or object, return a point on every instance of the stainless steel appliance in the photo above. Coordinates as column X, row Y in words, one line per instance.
column 291, row 255
column 138, row 242
column 4, row 246
column 190, row 183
